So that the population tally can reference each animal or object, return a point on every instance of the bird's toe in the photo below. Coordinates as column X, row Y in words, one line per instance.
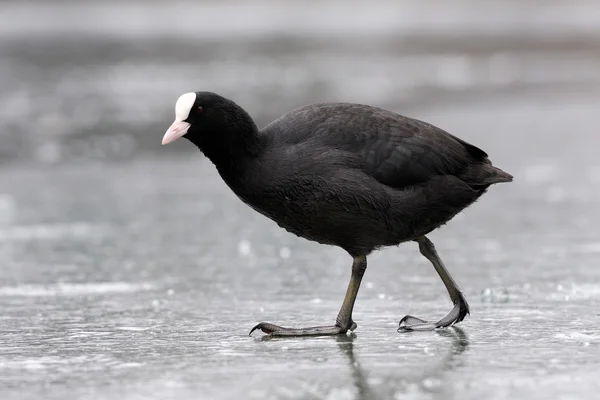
column 265, row 327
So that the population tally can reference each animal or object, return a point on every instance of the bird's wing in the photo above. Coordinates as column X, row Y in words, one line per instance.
column 395, row 150
column 415, row 153
column 400, row 151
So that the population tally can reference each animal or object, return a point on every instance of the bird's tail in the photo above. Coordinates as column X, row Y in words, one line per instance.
column 496, row 175
column 482, row 175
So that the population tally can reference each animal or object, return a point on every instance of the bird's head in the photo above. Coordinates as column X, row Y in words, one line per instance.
column 198, row 115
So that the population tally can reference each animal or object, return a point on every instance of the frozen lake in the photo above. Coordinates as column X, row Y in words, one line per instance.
column 131, row 271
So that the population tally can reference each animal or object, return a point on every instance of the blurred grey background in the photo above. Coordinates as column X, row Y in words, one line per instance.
column 129, row 270
column 98, row 79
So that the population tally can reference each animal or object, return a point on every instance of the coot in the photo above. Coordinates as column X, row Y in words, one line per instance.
column 348, row 175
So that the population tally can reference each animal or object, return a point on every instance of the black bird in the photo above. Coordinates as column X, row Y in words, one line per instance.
column 347, row 175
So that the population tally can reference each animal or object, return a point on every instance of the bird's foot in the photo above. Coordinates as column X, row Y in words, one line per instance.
column 456, row 315
column 276, row 330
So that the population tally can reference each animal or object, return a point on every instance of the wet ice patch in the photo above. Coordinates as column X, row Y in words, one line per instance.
column 94, row 362
column 51, row 231
column 74, row 289
column 133, row 328
column 578, row 337
column 584, row 291
column 82, row 334
column 495, row 295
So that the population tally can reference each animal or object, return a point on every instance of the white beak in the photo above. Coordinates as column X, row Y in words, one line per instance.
column 175, row 131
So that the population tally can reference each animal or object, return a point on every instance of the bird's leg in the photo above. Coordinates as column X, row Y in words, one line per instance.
column 461, row 308
column 343, row 322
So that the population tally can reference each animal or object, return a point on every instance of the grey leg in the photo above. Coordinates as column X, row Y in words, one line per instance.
column 461, row 307
column 343, row 322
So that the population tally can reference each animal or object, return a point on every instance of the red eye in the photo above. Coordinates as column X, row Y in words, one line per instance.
column 200, row 110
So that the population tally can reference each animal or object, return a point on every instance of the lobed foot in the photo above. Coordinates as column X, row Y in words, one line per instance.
column 456, row 315
column 276, row 330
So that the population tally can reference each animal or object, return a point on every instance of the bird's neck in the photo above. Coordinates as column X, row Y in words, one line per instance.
column 232, row 148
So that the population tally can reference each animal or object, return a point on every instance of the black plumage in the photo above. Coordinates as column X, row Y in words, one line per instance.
column 349, row 175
